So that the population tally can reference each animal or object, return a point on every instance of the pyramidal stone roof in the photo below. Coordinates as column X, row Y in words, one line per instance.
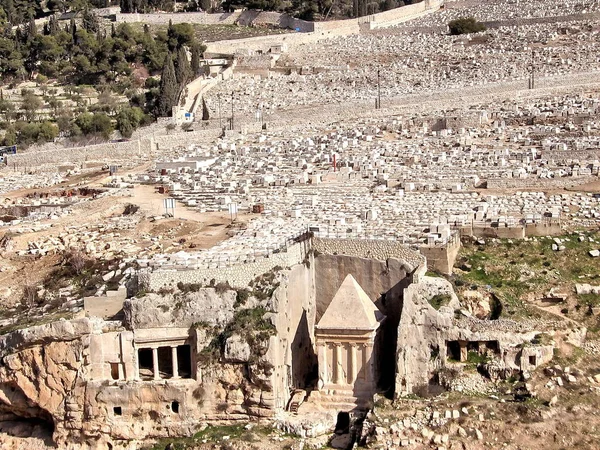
column 351, row 308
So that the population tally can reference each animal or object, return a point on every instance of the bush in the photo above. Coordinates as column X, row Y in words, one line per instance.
column 465, row 25
column 439, row 300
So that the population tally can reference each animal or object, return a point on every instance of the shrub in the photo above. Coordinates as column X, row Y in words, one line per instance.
column 221, row 287
column 437, row 301
column 241, row 297
column 188, row 287
column 465, row 25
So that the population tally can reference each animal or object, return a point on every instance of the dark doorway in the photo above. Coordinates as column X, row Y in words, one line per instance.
column 145, row 364
column 492, row 347
column 165, row 362
column 473, row 347
column 184, row 361
column 342, row 426
column 114, row 371
column 453, row 350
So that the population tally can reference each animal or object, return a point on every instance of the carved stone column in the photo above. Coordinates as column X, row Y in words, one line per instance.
column 175, row 362
column 339, row 370
column 322, row 355
column 155, row 363
column 368, row 362
column 353, row 369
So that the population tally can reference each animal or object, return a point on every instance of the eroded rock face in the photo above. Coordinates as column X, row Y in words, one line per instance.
column 237, row 350
column 39, row 380
column 420, row 333
column 83, row 378
column 431, row 342
column 478, row 304
column 180, row 309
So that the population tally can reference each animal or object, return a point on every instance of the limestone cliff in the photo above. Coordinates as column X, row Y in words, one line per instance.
column 40, row 373
column 421, row 333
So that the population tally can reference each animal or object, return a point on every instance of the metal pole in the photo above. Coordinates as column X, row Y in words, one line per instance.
column 232, row 110
column 378, row 91
column 220, row 124
column 531, row 78
column 532, row 69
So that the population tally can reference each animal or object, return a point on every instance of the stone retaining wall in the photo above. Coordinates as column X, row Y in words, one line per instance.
column 115, row 151
column 326, row 30
column 244, row 18
column 191, row 17
column 441, row 258
column 238, row 276
column 557, row 155
column 538, row 183
column 139, row 149
column 282, row 20
column 368, row 248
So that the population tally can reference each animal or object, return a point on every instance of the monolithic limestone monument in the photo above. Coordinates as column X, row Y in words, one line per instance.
column 346, row 344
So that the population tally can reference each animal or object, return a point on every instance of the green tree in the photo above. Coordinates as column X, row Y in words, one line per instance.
column 196, row 57
column 53, row 26
column 102, row 125
column 183, row 71
column 169, row 89
column 84, row 123
column 90, row 21
column 107, row 102
column 28, row 133
column 126, row 6
column 465, row 25
column 31, row 30
column 128, row 120
column 10, row 136
column 179, row 35
column 7, row 109
column 47, row 132
column 386, row 5
column 30, row 104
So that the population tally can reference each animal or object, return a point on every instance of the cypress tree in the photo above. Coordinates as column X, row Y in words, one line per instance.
column 169, row 89
column 90, row 21
column 53, row 26
column 195, row 61
column 126, row 6
column 31, row 30
column 183, row 70
column 73, row 29
column 9, row 8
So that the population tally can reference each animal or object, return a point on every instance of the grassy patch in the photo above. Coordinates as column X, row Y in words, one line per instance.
column 589, row 299
column 515, row 271
column 214, row 434
column 429, row 273
column 437, row 301
column 27, row 322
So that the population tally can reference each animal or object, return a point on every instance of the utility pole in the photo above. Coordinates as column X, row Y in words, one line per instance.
column 532, row 77
column 220, row 123
column 378, row 103
column 232, row 110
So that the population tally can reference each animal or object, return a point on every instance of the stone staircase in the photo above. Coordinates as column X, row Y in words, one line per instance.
column 335, row 400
